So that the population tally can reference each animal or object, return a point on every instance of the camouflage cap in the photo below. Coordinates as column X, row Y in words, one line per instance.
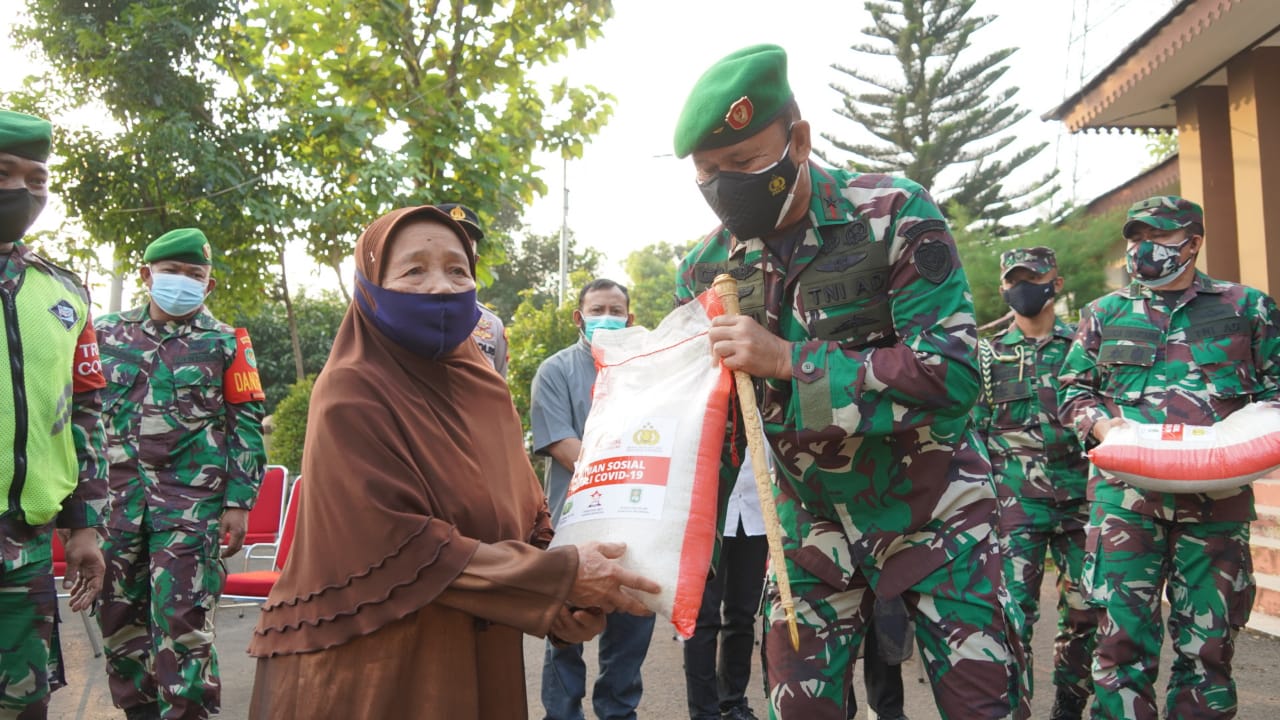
column 737, row 97
column 1036, row 259
column 1164, row 212
column 466, row 217
column 188, row 245
column 25, row 135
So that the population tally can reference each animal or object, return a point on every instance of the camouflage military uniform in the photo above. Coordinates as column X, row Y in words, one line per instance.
column 57, row 334
column 1040, row 472
column 491, row 337
column 1195, row 357
column 185, row 443
column 883, row 485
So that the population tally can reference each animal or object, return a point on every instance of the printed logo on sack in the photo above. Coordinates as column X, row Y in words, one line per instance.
column 647, row 435
column 636, row 494
column 1171, row 432
column 595, row 499
column 65, row 314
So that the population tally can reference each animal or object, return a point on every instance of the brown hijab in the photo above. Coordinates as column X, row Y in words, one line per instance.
column 410, row 463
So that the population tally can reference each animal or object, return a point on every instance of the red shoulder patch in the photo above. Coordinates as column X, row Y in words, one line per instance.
column 86, row 368
column 240, row 383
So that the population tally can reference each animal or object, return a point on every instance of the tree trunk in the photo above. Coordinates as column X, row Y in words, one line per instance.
column 115, row 299
column 342, row 282
column 299, row 369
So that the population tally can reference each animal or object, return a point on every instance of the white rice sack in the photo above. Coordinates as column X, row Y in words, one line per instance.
column 648, row 472
column 1180, row 458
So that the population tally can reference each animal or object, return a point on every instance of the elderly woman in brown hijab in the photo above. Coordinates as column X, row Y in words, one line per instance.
column 418, row 561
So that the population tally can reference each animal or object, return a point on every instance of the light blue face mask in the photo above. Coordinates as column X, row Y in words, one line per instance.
column 176, row 295
column 601, row 322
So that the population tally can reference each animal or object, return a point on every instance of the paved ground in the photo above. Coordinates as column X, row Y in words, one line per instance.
column 87, row 698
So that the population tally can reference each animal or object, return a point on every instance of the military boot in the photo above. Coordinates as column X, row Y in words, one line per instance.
column 1067, row 705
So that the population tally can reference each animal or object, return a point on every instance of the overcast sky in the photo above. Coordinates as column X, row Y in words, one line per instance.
column 628, row 191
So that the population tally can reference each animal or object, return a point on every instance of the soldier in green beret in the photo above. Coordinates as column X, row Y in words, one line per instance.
column 858, row 322
column 1179, row 347
column 52, row 473
column 183, row 406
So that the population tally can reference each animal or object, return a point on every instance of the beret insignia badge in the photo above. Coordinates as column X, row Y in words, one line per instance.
column 740, row 113
column 208, row 253
column 457, row 214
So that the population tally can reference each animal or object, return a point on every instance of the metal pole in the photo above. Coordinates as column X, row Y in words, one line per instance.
column 564, row 233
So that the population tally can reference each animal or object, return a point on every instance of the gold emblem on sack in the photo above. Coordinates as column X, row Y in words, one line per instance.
column 646, row 435
column 457, row 214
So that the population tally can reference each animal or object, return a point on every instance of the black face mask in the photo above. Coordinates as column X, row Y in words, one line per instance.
column 18, row 209
column 752, row 204
column 1028, row 298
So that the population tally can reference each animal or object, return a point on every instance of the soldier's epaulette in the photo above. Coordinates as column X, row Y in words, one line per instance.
column 68, row 277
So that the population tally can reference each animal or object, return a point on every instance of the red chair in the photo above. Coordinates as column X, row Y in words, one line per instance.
column 267, row 515
column 254, row 586
column 59, row 572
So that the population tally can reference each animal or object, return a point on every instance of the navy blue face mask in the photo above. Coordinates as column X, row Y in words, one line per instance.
column 425, row 324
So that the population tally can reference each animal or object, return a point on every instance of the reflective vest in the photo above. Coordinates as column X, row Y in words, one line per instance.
column 41, row 322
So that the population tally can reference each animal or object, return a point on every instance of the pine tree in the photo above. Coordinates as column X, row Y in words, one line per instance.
column 942, row 112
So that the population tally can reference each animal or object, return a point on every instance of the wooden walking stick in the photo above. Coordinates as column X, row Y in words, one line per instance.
column 726, row 287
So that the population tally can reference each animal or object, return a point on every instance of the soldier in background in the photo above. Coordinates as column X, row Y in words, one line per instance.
column 52, row 472
column 1038, row 466
column 184, row 419
column 490, row 334
column 858, row 322
column 1175, row 346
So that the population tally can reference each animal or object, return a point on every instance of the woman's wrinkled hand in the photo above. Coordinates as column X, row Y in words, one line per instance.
column 577, row 625
column 601, row 579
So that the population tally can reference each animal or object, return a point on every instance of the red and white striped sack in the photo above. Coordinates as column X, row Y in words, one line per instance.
column 648, row 473
column 1180, row 458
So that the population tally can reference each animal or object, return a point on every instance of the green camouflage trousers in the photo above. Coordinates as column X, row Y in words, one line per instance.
column 156, row 615
column 1205, row 571
column 966, row 641
column 1029, row 530
column 30, row 654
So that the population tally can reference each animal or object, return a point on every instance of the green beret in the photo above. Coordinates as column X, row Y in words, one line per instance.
column 25, row 135
column 187, row 245
column 734, row 99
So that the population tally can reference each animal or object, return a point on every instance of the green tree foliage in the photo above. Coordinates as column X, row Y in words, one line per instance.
column 318, row 321
column 1160, row 145
column 941, row 112
column 534, row 266
column 407, row 101
column 652, row 271
column 290, row 425
column 170, row 160
column 1085, row 247
column 538, row 330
